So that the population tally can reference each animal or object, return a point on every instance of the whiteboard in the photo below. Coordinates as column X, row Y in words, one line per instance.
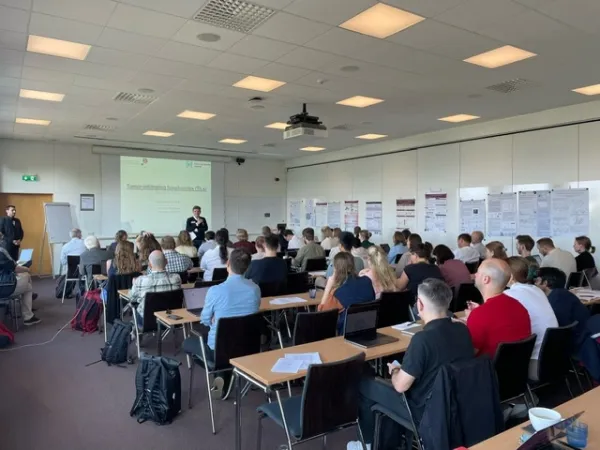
column 59, row 222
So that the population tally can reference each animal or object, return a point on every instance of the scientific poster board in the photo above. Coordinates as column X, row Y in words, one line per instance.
column 534, row 213
column 309, row 213
column 406, row 213
column 334, row 214
column 295, row 207
column 350, row 214
column 321, row 214
column 472, row 216
column 374, row 217
column 502, row 214
column 570, row 212
column 436, row 212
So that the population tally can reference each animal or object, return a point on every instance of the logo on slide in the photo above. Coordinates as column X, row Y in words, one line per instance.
column 189, row 164
column 144, row 161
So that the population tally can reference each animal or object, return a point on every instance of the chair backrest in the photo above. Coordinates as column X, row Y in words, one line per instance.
column 314, row 326
column 590, row 274
column 512, row 367
column 314, row 264
column 73, row 266
column 574, row 280
column 327, row 252
column 96, row 269
column 201, row 283
column 220, row 273
column 237, row 337
column 397, row 259
column 292, row 253
column 329, row 399
column 196, row 261
column 472, row 266
column 297, row 282
column 394, row 308
column 272, row 289
column 385, row 247
column 465, row 292
column 160, row 301
column 280, row 254
column 184, row 276
column 554, row 361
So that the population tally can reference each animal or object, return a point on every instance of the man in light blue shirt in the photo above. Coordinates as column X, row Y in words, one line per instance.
column 74, row 247
column 399, row 247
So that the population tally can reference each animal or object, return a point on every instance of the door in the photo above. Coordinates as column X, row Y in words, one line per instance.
column 30, row 210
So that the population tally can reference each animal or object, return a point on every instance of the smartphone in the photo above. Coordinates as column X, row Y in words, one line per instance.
column 174, row 317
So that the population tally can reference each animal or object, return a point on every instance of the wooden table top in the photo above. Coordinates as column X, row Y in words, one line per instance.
column 99, row 277
column 588, row 402
column 259, row 366
column 186, row 317
column 265, row 303
column 586, row 300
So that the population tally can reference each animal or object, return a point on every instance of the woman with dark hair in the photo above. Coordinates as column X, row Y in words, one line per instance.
column 584, row 249
column 495, row 249
column 418, row 270
column 217, row 257
column 455, row 272
column 146, row 244
column 120, row 236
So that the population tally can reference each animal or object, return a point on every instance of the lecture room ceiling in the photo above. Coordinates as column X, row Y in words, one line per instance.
column 174, row 73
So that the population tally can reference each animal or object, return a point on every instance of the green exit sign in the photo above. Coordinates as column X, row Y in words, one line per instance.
column 30, row 178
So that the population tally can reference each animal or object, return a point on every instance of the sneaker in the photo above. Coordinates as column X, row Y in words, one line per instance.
column 216, row 391
column 31, row 321
column 356, row 445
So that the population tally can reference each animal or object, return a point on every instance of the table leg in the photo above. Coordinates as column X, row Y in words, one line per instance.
column 185, row 335
column 238, row 412
column 159, row 338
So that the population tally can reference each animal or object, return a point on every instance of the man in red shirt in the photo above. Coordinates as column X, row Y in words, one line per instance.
column 501, row 318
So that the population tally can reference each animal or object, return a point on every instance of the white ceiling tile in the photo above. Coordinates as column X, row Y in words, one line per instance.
column 11, row 57
column 13, row 19
column 242, row 64
column 159, row 83
column 146, row 22
column 217, row 76
column 9, row 82
column 22, row 4
column 289, row 28
column 276, row 71
column 112, row 57
column 189, row 32
column 181, row 8
column 259, row 47
column 307, row 94
column 130, row 42
column 202, row 87
column 13, row 40
column 51, row 76
column 65, row 29
column 85, row 96
column 45, row 85
column 103, row 84
column 425, row 8
column 478, row 15
column 10, row 70
column 170, row 68
column 333, row 12
column 307, row 58
column 581, row 14
column 276, row 4
column 90, row 11
column 77, row 67
column 186, row 53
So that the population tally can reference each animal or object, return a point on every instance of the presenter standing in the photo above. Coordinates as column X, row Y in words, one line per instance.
column 196, row 226
column 12, row 230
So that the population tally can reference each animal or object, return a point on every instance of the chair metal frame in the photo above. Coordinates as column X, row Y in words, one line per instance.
column 67, row 275
column 413, row 425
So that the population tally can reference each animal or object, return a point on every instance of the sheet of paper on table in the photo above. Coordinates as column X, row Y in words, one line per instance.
column 285, row 365
column 306, row 358
column 405, row 326
column 287, row 301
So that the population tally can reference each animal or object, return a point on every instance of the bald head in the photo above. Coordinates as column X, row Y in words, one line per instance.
column 476, row 237
column 157, row 261
column 492, row 277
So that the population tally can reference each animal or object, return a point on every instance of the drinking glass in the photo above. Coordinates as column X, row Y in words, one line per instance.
column 577, row 434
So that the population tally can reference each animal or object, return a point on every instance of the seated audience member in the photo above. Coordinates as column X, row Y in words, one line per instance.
column 157, row 280
column 337, row 236
column 207, row 245
column 525, row 244
column 413, row 239
column 501, row 318
column 555, row 257
column 124, row 260
column 345, row 288
column 465, row 252
column 216, row 257
column 294, row 242
column 364, row 237
column 94, row 255
column 406, row 233
column 326, row 238
column 477, row 243
column 584, row 249
column 176, row 262
column 75, row 247
column 399, row 247
column 382, row 275
column 229, row 243
column 260, row 248
column 535, row 302
column 266, row 230
column 269, row 269
column 310, row 250
column 242, row 237
column 346, row 240
column 495, row 249
column 441, row 342
column 146, row 244
column 120, row 236
column 283, row 243
column 418, row 270
column 357, row 232
column 359, row 251
column 455, row 272
column 185, row 245
column 15, row 280
column 235, row 297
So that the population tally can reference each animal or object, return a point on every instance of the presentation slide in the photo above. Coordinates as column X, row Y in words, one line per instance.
column 157, row 195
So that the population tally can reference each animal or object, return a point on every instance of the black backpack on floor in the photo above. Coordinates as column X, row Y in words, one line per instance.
column 116, row 348
column 158, row 390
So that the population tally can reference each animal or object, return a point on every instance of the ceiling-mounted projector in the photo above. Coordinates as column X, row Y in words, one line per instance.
column 302, row 124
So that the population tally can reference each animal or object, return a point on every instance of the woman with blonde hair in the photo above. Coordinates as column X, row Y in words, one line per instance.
column 382, row 275
column 326, row 238
column 495, row 249
column 185, row 245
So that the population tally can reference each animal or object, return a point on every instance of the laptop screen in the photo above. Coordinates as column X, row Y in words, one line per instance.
column 544, row 437
column 361, row 322
column 26, row 254
column 194, row 298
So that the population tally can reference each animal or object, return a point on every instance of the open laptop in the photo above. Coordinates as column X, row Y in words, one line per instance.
column 360, row 326
column 194, row 299
column 548, row 437
column 25, row 256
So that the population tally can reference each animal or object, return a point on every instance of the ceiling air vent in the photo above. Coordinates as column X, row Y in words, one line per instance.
column 234, row 15
column 139, row 99
column 99, row 127
column 509, row 86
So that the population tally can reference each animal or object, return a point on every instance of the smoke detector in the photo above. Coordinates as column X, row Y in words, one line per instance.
column 256, row 104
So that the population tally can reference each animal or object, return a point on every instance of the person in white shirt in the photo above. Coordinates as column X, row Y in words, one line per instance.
column 209, row 244
column 260, row 248
column 294, row 242
column 465, row 252
column 327, row 238
column 217, row 257
column 555, row 257
column 535, row 302
column 477, row 243
column 74, row 247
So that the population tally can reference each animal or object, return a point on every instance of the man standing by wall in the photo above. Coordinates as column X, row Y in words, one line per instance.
column 12, row 230
column 196, row 225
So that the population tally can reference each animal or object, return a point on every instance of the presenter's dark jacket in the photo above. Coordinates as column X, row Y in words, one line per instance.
column 13, row 231
column 191, row 226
